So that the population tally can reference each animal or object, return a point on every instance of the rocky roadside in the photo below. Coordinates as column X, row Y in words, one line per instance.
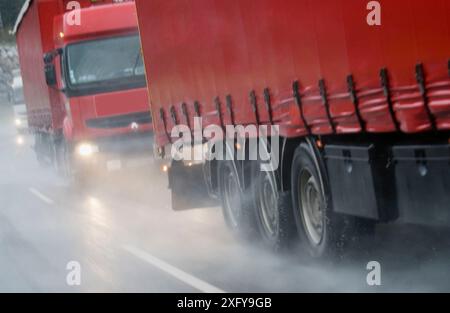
column 9, row 61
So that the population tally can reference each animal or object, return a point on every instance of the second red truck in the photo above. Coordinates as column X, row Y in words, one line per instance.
column 84, row 84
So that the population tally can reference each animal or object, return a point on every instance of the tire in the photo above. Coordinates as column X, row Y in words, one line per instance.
column 322, row 232
column 66, row 164
column 41, row 149
column 58, row 157
column 274, row 213
column 76, row 176
column 237, row 205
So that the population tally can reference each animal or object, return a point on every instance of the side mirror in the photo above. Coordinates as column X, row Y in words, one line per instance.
column 48, row 57
column 50, row 74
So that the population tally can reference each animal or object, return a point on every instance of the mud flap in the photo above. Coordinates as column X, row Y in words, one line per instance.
column 188, row 187
column 423, row 183
column 361, row 183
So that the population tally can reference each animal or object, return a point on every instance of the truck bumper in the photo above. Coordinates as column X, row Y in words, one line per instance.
column 117, row 153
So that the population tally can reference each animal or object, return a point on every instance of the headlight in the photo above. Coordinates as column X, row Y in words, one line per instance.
column 86, row 149
column 20, row 140
column 18, row 122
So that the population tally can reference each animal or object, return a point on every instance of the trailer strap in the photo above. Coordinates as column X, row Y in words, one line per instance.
column 186, row 114
column 420, row 77
column 173, row 113
column 355, row 101
column 324, row 95
column 298, row 101
column 268, row 103
column 254, row 105
column 219, row 111
column 197, row 108
column 385, row 85
column 448, row 66
column 229, row 103
column 198, row 113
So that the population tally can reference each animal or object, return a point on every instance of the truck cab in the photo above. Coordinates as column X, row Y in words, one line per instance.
column 93, row 69
column 101, row 73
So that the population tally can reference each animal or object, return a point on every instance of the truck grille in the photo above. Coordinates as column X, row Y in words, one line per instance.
column 120, row 121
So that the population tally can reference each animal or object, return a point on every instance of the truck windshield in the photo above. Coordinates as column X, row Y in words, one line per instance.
column 107, row 63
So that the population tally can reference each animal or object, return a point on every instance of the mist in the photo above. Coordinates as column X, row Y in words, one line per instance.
column 94, row 225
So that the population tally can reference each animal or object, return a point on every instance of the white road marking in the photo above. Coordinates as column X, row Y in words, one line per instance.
column 173, row 271
column 41, row 196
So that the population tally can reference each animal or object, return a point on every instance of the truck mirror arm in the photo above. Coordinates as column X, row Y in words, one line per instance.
column 63, row 90
column 49, row 57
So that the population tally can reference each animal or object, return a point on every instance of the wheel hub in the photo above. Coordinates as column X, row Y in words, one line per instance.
column 268, row 206
column 232, row 198
column 312, row 207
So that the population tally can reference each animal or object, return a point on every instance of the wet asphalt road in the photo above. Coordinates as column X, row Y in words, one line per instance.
column 125, row 237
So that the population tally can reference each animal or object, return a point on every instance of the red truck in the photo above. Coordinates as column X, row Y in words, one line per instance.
column 84, row 84
column 360, row 91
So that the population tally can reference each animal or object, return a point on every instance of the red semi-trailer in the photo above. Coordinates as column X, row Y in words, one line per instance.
column 84, row 84
column 363, row 110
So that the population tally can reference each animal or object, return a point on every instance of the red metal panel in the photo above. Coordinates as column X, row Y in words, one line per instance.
column 47, row 11
column 202, row 49
column 431, row 28
column 95, row 21
column 34, row 38
column 106, row 105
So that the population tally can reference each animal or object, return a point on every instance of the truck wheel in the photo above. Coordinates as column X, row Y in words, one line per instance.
column 41, row 150
column 66, row 163
column 236, row 206
column 58, row 157
column 274, row 214
column 322, row 232
column 76, row 177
